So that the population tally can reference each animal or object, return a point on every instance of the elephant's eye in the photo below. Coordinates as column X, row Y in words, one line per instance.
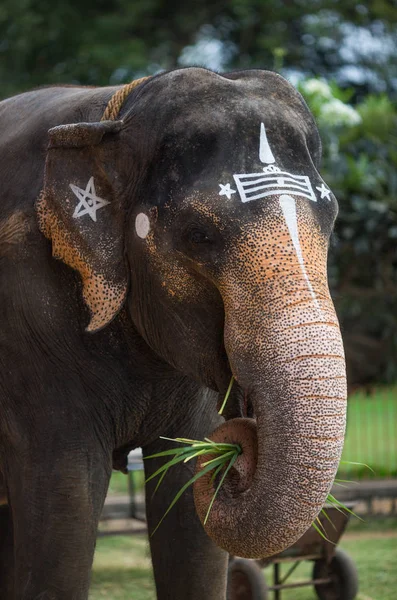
column 196, row 235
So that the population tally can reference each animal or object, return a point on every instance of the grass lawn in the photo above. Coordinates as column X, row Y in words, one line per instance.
column 119, row 482
column 371, row 435
column 122, row 566
column 122, row 569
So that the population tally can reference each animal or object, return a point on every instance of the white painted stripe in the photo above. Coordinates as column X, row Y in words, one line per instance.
column 278, row 183
column 288, row 206
column 265, row 153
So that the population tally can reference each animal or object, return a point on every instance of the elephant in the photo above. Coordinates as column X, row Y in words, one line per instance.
column 157, row 240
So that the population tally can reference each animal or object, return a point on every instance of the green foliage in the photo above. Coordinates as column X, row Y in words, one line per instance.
column 101, row 42
column 360, row 165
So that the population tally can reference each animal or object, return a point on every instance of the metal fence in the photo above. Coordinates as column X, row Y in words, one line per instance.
column 371, row 436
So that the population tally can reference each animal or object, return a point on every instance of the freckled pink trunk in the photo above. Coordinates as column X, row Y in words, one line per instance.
column 292, row 365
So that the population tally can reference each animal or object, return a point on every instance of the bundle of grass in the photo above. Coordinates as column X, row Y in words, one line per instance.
column 225, row 457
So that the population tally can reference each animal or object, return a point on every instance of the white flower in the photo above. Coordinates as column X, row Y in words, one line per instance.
column 318, row 88
column 335, row 114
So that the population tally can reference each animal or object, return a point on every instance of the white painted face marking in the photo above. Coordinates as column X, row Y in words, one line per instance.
column 142, row 225
column 272, row 181
column 265, row 153
column 226, row 190
column 324, row 191
column 89, row 203
column 288, row 206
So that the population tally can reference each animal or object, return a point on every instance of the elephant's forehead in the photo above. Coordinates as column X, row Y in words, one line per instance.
column 185, row 106
column 232, row 127
column 184, row 93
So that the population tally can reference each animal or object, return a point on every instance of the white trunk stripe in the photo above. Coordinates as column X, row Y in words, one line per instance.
column 265, row 153
column 288, row 206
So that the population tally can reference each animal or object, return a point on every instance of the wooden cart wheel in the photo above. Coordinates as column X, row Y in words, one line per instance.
column 245, row 581
column 343, row 574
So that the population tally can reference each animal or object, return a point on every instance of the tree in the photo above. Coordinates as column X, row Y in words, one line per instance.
column 97, row 42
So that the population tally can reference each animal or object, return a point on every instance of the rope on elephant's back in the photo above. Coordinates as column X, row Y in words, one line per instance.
column 117, row 100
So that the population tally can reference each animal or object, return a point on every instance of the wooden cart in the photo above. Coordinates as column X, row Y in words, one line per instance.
column 334, row 575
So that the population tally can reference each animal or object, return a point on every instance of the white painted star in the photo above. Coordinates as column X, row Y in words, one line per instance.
column 324, row 191
column 226, row 190
column 89, row 201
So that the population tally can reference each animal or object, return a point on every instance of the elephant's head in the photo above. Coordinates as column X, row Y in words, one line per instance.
column 203, row 209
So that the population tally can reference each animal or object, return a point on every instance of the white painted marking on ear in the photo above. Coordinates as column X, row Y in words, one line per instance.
column 288, row 206
column 142, row 225
column 89, row 203
column 324, row 191
column 265, row 153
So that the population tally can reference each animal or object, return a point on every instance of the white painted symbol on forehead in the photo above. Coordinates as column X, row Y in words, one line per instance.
column 288, row 206
column 272, row 181
column 226, row 190
column 142, row 225
column 265, row 153
column 89, row 203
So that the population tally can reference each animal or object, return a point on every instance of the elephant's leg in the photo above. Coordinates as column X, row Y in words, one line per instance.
column 186, row 563
column 57, row 497
column 6, row 554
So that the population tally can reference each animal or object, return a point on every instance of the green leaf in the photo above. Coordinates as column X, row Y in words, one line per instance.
column 181, row 440
column 223, row 459
column 229, row 389
column 215, row 473
column 163, row 474
column 317, row 528
column 179, row 494
column 195, row 454
column 231, row 463
column 165, row 467
column 340, row 506
column 349, row 462
column 168, row 453
column 326, row 515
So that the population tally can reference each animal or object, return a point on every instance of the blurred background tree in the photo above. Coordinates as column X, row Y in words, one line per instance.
column 349, row 47
column 111, row 41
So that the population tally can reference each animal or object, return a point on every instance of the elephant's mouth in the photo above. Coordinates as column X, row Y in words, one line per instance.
column 238, row 403
column 239, row 428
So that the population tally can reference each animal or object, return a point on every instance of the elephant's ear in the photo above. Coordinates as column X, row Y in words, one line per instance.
column 79, row 211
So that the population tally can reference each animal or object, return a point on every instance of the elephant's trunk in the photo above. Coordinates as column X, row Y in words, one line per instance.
column 285, row 350
column 290, row 457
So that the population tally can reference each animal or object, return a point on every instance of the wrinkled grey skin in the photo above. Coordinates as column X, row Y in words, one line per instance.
column 111, row 338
